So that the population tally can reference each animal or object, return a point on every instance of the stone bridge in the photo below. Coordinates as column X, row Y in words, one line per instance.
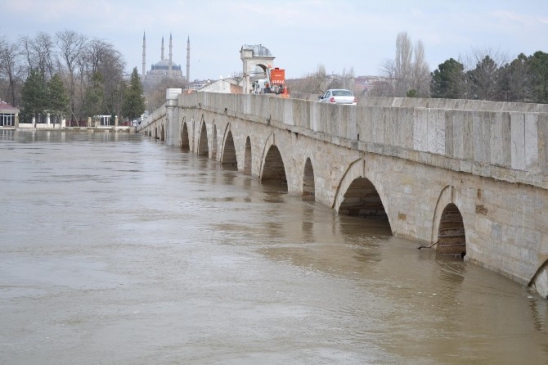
column 468, row 177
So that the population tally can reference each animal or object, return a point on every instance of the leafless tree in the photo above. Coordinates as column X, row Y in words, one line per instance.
column 40, row 54
column 11, row 71
column 421, row 72
column 103, row 58
column 403, row 64
column 71, row 48
column 348, row 79
column 155, row 94
column 313, row 83
column 482, row 65
column 407, row 73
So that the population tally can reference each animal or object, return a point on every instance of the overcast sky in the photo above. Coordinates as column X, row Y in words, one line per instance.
column 339, row 34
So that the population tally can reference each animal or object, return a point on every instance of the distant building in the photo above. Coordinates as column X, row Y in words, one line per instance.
column 9, row 115
column 226, row 86
column 165, row 68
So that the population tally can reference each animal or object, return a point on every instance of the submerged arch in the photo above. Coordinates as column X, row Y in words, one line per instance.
column 274, row 168
column 362, row 199
column 247, row 157
column 451, row 232
column 309, row 186
column 229, row 152
column 214, row 142
column 185, row 142
column 203, row 148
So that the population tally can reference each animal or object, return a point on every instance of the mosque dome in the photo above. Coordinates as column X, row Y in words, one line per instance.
column 258, row 50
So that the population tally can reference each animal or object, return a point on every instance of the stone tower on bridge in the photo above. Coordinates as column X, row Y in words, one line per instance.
column 254, row 56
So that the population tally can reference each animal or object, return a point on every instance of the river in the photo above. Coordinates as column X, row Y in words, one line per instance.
column 117, row 249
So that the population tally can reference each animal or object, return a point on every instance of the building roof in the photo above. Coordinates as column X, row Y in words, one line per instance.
column 258, row 50
column 7, row 108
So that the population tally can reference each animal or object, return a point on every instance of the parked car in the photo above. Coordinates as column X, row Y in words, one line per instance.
column 338, row 96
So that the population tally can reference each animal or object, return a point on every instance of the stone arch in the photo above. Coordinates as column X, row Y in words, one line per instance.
column 360, row 194
column 309, row 187
column 214, row 142
column 539, row 281
column 448, row 228
column 162, row 133
column 247, row 157
column 451, row 233
column 228, row 157
column 185, row 142
column 155, row 132
column 203, row 148
column 274, row 168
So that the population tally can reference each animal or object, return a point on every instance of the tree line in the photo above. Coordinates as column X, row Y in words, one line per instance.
column 67, row 75
column 483, row 75
column 524, row 79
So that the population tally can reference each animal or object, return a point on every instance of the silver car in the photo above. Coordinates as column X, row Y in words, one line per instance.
column 338, row 96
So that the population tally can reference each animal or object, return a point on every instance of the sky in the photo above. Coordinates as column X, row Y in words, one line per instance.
column 338, row 34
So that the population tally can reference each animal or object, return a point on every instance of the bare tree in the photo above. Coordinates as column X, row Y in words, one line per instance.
column 104, row 59
column 421, row 72
column 313, row 83
column 482, row 72
column 71, row 47
column 40, row 54
column 11, row 68
column 408, row 73
column 403, row 64
column 155, row 95
column 348, row 79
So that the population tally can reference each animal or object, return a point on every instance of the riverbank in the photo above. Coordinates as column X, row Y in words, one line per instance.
column 22, row 127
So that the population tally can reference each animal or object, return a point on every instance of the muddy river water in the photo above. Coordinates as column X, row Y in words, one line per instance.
column 116, row 249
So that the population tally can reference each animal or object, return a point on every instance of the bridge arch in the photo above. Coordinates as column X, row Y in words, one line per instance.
column 448, row 228
column 309, row 186
column 228, row 156
column 360, row 194
column 185, row 142
column 451, row 232
column 247, row 157
column 203, row 148
column 274, row 167
column 214, row 141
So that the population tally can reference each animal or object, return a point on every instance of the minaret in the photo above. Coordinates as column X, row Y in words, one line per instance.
column 170, row 67
column 144, row 57
column 161, row 58
column 188, row 60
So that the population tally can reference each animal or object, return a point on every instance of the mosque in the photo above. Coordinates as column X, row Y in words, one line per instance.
column 165, row 68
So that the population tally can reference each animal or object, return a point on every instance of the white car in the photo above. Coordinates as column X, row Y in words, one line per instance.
column 338, row 96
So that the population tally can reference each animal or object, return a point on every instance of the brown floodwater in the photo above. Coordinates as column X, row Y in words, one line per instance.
column 116, row 249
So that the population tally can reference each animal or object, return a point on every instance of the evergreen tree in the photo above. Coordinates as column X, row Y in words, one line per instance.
column 484, row 79
column 34, row 94
column 93, row 101
column 57, row 98
column 448, row 80
column 538, row 72
column 514, row 82
column 134, row 101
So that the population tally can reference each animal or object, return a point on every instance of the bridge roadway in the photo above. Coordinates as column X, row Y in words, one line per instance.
column 468, row 177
